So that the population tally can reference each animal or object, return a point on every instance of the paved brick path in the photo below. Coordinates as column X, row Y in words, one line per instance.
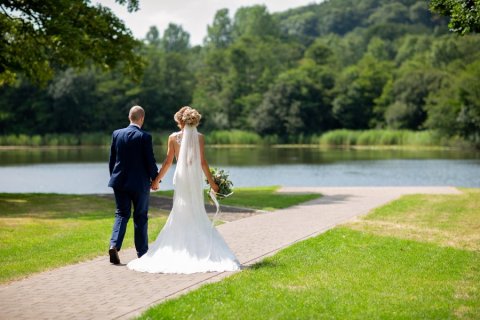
column 97, row 290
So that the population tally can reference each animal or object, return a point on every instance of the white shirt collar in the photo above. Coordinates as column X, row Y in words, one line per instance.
column 136, row 125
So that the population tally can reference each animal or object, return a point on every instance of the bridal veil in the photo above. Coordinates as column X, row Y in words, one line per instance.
column 188, row 243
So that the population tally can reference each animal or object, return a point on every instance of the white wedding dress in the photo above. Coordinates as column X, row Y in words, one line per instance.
column 188, row 243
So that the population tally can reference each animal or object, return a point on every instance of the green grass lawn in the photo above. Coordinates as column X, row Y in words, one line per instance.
column 358, row 272
column 44, row 231
column 262, row 198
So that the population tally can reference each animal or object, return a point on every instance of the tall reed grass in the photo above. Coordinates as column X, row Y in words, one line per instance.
column 55, row 139
column 341, row 137
column 232, row 137
column 380, row 138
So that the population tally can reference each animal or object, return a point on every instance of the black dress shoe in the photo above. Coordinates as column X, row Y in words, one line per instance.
column 114, row 258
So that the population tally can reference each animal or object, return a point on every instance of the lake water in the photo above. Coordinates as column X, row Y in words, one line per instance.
column 85, row 170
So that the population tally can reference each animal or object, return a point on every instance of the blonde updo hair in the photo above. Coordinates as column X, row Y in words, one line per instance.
column 179, row 115
column 187, row 116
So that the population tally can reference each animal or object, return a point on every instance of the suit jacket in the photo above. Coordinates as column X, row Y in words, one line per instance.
column 132, row 162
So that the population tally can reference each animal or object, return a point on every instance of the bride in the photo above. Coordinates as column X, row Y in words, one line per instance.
column 188, row 242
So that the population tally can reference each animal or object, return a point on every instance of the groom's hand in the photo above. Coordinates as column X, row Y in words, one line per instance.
column 155, row 185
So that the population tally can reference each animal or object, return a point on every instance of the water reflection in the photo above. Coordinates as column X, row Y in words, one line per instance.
column 85, row 170
column 233, row 156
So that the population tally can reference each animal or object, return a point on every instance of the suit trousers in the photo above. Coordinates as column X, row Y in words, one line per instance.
column 123, row 201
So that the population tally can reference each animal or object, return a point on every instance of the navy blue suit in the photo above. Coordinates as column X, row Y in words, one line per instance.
column 132, row 168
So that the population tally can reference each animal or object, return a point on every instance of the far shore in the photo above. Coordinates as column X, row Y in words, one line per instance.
column 339, row 138
column 25, row 147
column 292, row 145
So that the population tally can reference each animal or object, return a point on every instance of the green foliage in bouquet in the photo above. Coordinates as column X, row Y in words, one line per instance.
column 225, row 185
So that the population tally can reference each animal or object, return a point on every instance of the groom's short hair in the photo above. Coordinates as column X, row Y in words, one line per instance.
column 136, row 113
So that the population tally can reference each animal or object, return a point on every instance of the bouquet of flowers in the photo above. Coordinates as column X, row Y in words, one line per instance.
column 225, row 185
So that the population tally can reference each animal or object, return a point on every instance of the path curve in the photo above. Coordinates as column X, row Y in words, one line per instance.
column 97, row 290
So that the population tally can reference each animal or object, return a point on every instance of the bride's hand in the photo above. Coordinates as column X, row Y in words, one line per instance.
column 214, row 187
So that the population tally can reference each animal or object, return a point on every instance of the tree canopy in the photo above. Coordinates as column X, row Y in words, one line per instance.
column 358, row 64
column 42, row 37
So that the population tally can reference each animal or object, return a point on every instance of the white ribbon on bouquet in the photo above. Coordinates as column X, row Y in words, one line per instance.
column 213, row 196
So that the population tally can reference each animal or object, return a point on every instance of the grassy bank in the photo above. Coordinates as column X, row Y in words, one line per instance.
column 261, row 198
column 359, row 272
column 340, row 137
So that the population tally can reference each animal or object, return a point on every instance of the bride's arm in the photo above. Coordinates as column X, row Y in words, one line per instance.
column 166, row 163
column 205, row 167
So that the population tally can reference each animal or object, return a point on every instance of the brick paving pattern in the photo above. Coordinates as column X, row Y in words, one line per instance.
column 97, row 290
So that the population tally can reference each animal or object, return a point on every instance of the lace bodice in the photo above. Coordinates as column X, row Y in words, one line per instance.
column 178, row 137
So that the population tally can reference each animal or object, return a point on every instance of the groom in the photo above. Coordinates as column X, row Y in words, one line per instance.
column 132, row 168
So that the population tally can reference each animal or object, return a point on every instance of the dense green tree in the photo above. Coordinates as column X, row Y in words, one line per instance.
column 320, row 53
column 73, row 101
column 456, row 51
column 39, row 37
column 394, row 12
column 115, row 96
column 209, row 93
column 419, row 14
column 347, row 50
column 20, row 104
column 339, row 21
column 167, row 84
column 232, row 81
column 153, row 37
column 299, row 102
column 357, row 89
column 444, row 51
column 409, row 93
column 412, row 46
column 464, row 14
column 254, row 21
column 455, row 110
column 381, row 49
column 175, row 38
column 301, row 26
column 219, row 34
